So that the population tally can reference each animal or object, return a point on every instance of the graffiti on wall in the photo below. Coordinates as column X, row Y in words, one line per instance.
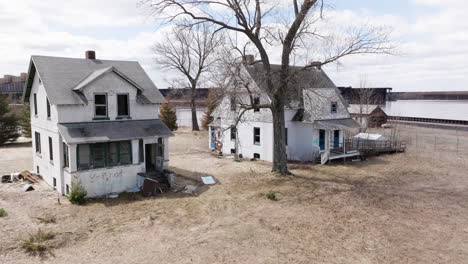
column 102, row 181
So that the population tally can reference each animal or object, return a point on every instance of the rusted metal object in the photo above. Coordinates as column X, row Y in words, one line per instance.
column 149, row 187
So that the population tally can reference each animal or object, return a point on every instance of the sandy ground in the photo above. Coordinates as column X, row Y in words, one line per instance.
column 403, row 208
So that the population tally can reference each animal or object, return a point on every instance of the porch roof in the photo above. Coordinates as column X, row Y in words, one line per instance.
column 346, row 123
column 103, row 131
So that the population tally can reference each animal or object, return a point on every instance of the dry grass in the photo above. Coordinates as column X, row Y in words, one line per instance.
column 37, row 243
column 403, row 208
column 48, row 219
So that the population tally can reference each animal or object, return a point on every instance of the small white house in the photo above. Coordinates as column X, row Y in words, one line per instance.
column 317, row 120
column 94, row 122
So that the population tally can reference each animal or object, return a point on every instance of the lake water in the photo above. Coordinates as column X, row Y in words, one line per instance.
column 442, row 109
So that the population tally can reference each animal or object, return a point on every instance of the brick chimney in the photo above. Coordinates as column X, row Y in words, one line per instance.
column 90, row 54
column 248, row 59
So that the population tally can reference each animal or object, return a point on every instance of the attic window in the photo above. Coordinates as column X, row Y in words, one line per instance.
column 100, row 105
column 334, row 107
column 256, row 101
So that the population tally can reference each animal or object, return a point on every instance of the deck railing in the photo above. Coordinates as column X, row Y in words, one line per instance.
column 367, row 146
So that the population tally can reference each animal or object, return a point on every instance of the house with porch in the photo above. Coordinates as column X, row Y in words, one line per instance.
column 94, row 122
column 316, row 118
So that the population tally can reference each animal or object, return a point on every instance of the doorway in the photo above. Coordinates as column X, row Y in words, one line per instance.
column 154, row 156
column 322, row 139
column 336, row 139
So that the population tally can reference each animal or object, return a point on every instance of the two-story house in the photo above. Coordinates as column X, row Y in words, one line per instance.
column 94, row 122
column 316, row 117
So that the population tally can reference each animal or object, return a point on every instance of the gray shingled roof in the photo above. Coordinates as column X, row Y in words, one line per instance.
column 361, row 109
column 60, row 75
column 300, row 78
column 89, row 132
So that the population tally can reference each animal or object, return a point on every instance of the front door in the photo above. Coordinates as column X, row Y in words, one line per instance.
column 213, row 137
column 154, row 156
column 322, row 139
column 336, row 139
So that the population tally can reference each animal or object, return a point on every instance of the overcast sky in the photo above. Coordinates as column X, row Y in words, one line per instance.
column 432, row 38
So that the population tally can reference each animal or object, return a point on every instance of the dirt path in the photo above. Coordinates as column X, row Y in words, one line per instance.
column 393, row 209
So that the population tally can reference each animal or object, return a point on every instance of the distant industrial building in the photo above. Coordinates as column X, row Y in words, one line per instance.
column 13, row 86
column 369, row 95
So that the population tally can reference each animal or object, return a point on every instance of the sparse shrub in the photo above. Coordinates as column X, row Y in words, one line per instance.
column 77, row 194
column 272, row 196
column 35, row 244
column 48, row 219
column 3, row 212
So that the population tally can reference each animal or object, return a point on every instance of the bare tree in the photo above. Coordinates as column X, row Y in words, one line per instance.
column 191, row 53
column 258, row 20
column 366, row 98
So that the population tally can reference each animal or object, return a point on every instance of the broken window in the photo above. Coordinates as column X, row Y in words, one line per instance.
column 37, row 138
column 256, row 138
column 122, row 105
column 98, row 155
column 334, row 107
column 100, row 105
column 233, row 133
column 84, row 156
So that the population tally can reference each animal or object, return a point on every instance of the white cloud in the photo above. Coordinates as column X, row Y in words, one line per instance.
column 434, row 45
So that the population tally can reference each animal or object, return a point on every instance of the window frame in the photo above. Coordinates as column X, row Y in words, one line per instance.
column 66, row 158
column 37, row 141
column 51, row 150
column 128, row 105
column 48, row 108
column 255, row 142
column 334, row 107
column 101, row 105
column 233, row 133
column 35, row 104
column 107, row 163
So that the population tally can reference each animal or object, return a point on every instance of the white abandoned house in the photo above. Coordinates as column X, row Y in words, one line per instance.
column 317, row 120
column 94, row 122
column 180, row 100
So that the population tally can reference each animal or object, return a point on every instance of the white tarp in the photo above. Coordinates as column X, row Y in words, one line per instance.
column 367, row 136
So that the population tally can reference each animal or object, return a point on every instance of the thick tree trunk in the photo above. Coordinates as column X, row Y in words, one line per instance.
column 194, row 111
column 280, row 162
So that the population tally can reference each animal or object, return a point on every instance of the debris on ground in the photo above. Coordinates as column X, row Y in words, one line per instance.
column 208, row 180
column 28, row 188
column 190, row 189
